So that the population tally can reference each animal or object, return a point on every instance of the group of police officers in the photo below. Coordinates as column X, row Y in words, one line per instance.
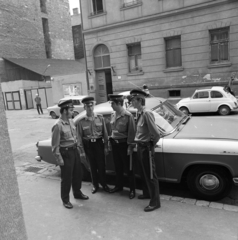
column 92, row 138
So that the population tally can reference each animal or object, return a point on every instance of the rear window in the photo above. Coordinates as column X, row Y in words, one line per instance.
column 216, row 94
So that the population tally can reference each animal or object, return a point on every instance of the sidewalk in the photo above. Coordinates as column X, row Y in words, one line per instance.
column 114, row 216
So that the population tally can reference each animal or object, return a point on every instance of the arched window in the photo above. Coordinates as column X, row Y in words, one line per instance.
column 101, row 57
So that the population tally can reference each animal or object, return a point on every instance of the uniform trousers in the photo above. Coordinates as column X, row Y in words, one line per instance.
column 150, row 186
column 96, row 157
column 122, row 164
column 71, row 173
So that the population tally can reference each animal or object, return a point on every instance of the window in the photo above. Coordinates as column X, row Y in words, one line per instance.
column 201, row 95
column 173, row 52
column 97, row 7
column 219, row 45
column 128, row 3
column 43, row 6
column 101, row 57
column 216, row 94
column 134, row 57
column 76, row 102
column 174, row 93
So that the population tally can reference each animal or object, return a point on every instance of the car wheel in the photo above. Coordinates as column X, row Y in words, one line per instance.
column 86, row 174
column 224, row 110
column 209, row 183
column 53, row 115
column 184, row 110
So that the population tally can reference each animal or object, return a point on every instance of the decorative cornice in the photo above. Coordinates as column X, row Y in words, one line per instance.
column 160, row 15
column 220, row 24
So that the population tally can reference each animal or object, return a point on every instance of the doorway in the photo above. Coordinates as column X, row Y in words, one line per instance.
column 104, row 85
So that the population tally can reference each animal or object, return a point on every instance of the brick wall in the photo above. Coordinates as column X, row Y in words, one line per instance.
column 21, row 31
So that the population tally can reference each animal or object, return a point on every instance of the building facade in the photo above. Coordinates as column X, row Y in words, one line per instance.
column 39, row 29
column 173, row 46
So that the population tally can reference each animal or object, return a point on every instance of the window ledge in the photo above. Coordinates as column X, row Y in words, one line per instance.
column 97, row 15
column 135, row 73
column 173, row 69
column 131, row 6
column 219, row 65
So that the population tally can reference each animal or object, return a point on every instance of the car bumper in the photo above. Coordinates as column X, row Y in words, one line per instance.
column 235, row 180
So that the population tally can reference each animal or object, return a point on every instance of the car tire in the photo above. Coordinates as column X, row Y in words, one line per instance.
column 224, row 110
column 86, row 174
column 184, row 110
column 209, row 183
column 53, row 115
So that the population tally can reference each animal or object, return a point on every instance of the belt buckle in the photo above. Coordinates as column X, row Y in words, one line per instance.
column 93, row 139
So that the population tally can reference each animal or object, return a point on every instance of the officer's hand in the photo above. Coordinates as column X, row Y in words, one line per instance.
column 106, row 151
column 60, row 162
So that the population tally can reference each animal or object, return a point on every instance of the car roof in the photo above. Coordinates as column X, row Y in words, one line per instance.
column 105, row 108
column 210, row 88
column 79, row 97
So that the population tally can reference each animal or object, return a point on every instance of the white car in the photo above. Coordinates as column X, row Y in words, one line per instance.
column 54, row 111
column 214, row 99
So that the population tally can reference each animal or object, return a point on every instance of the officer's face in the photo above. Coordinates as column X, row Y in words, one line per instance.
column 114, row 106
column 89, row 108
column 136, row 103
column 70, row 112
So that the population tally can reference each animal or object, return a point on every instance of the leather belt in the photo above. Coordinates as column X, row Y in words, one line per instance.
column 68, row 148
column 122, row 140
column 93, row 140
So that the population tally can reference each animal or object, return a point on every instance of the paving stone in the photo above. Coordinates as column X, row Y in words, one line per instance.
column 230, row 208
column 216, row 205
column 165, row 197
column 177, row 199
column 43, row 170
column 202, row 203
column 189, row 200
column 29, row 173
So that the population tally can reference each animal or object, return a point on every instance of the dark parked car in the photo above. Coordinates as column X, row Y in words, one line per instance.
column 201, row 150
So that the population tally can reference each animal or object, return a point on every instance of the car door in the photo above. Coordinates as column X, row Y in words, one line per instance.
column 200, row 102
column 217, row 98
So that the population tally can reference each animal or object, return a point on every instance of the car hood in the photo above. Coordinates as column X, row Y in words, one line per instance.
column 209, row 128
column 184, row 100
column 55, row 106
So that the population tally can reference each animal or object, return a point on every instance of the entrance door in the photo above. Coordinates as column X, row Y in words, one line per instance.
column 42, row 95
column 13, row 101
column 108, row 76
column 29, row 100
column 101, row 86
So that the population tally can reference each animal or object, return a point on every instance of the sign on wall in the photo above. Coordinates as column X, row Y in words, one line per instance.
column 72, row 89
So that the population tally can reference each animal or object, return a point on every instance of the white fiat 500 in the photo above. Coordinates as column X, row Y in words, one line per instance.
column 214, row 99
column 54, row 111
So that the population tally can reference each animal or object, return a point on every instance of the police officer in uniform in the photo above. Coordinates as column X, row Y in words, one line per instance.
column 95, row 141
column 122, row 142
column 65, row 148
column 147, row 135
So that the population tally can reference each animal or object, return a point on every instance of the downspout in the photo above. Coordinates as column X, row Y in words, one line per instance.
column 84, row 50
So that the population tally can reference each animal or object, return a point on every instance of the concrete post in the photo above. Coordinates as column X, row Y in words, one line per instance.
column 12, row 226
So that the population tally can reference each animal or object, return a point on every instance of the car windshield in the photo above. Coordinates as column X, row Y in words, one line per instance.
column 167, row 117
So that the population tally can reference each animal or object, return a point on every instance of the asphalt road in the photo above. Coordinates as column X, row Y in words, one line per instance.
column 26, row 127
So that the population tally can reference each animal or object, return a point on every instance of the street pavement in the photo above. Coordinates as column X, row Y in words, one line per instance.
column 115, row 216
column 105, row 216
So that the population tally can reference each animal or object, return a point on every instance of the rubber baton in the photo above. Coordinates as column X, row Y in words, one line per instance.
column 151, row 167
column 130, row 161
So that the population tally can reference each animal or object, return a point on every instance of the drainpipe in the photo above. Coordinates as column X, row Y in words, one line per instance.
column 84, row 50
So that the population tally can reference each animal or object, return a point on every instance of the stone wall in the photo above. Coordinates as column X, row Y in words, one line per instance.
column 12, row 225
